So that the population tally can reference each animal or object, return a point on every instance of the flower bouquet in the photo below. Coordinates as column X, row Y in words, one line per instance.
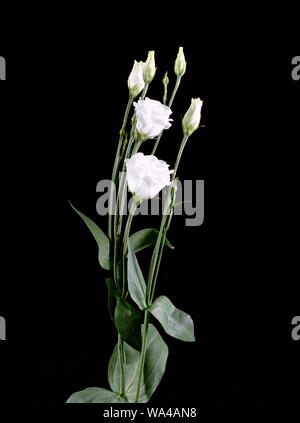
column 138, row 361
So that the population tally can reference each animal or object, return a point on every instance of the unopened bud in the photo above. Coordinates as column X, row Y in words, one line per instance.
column 180, row 63
column 149, row 68
column 136, row 81
column 192, row 118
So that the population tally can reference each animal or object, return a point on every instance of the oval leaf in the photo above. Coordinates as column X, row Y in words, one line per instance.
column 100, row 237
column 95, row 395
column 175, row 322
column 128, row 322
column 155, row 365
column 131, row 362
column 136, row 282
column 145, row 238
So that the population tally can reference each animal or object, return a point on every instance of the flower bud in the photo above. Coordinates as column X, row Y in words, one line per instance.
column 191, row 119
column 136, row 81
column 180, row 63
column 165, row 79
column 149, row 68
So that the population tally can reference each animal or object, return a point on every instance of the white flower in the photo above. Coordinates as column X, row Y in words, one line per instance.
column 136, row 81
column 180, row 63
column 191, row 119
column 152, row 117
column 149, row 68
column 146, row 175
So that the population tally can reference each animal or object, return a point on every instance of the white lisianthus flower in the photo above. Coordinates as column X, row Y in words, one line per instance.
column 180, row 63
column 152, row 117
column 136, row 81
column 192, row 118
column 146, row 175
column 149, row 68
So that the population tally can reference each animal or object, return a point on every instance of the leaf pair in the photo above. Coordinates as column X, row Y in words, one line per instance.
column 175, row 322
column 155, row 365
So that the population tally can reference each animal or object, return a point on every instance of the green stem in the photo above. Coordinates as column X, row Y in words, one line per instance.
column 125, row 242
column 143, row 354
column 154, row 260
column 116, row 166
column 169, row 105
column 181, row 148
column 161, row 249
column 121, row 360
column 144, row 91
column 159, row 245
column 174, row 91
column 123, row 189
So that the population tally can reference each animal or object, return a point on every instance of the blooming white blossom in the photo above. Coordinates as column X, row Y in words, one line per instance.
column 149, row 68
column 136, row 81
column 180, row 63
column 147, row 175
column 192, row 118
column 152, row 117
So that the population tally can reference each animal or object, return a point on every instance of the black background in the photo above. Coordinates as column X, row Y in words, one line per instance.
column 237, row 274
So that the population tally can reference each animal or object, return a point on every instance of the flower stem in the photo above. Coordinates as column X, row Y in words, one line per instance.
column 144, row 91
column 125, row 243
column 143, row 354
column 121, row 361
column 159, row 245
column 174, row 91
column 181, row 148
column 116, row 166
column 169, row 105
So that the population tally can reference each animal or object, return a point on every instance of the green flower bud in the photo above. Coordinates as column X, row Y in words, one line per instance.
column 149, row 68
column 135, row 80
column 192, row 118
column 180, row 63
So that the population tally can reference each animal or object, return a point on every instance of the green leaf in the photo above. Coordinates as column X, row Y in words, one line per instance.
column 128, row 322
column 95, row 395
column 175, row 322
column 111, row 295
column 131, row 360
column 145, row 238
column 155, row 365
column 101, row 239
column 136, row 282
